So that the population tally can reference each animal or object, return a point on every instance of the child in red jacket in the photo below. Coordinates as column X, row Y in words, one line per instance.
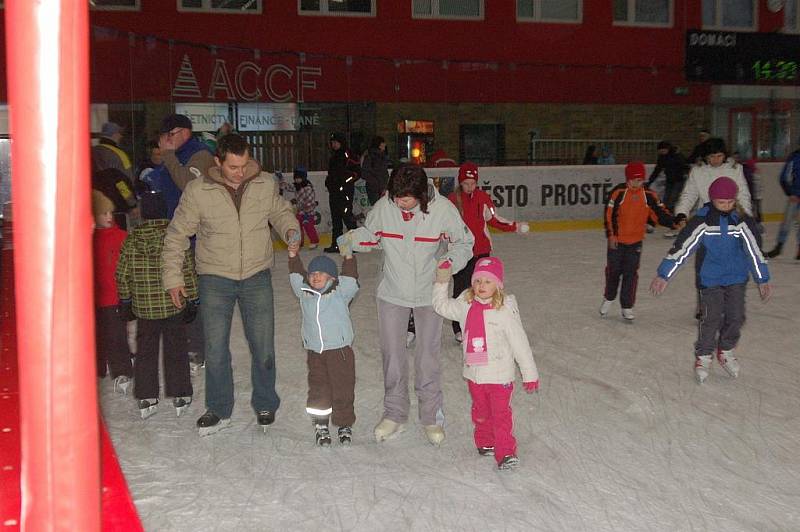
column 478, row 212
column 630, row 206
column 111, row 332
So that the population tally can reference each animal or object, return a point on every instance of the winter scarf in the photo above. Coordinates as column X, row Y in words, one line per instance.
column 476, row 348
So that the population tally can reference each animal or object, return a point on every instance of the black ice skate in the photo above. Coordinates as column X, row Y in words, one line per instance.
column 147, row 407
column 323, row 435
column 181, row 404
column 486, row 451
column 210, row 423
column 345, row 436
column 265, row 418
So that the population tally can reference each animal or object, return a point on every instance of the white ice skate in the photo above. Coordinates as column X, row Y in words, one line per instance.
column 345, row 436
column 605, row 307
column 627, row 313
column 195, row 363
column 181, row 404
column 728, row 362
column 410, row 337
column 322, row 435
column 702, row 366
column 435, row 434
column 121, row 384
column 147, row 407
column 387, row 429
column 508, row 462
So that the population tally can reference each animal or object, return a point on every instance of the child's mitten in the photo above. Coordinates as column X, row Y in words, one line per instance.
column 531, row 387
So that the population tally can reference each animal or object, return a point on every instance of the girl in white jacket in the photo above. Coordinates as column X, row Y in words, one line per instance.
column 494, row 339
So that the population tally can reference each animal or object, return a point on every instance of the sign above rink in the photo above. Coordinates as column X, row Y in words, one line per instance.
column 244, row 81
column 267, row 117
column 204, row 116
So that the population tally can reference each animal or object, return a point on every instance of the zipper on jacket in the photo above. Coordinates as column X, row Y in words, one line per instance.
column 316, row 318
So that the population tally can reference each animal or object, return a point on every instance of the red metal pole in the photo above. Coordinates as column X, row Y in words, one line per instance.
column 48, row 60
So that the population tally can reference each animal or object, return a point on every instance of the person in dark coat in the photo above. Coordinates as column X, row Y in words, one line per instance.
column 590, row 157
column 675, row 169
column 343, row 172
column 375, row 168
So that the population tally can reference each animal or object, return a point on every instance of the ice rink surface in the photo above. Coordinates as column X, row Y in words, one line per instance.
column 620, row 436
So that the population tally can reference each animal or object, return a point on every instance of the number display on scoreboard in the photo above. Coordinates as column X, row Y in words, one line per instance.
column 736, row 57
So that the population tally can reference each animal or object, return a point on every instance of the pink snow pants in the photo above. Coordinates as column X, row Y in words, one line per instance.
column 492, row 417
column 307, row 224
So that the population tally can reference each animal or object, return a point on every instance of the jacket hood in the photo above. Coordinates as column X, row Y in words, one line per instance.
column 148, row 238
column 330, row 286
column 251, row 170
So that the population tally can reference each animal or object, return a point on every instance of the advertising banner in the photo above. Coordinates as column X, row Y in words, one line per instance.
column 542, row 193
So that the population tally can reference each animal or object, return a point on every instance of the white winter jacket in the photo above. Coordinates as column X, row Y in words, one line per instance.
column 505, row 337
column 695, row 191
column 410, row 247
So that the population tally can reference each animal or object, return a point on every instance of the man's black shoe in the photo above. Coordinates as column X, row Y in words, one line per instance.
column 265, row 417
column 331, row 249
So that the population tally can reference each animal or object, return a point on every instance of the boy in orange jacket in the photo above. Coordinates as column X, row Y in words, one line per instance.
column 630, row 206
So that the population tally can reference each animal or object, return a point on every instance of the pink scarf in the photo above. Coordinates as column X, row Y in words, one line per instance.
column 476, row 348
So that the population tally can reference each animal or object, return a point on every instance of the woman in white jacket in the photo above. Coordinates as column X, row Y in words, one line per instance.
column 408, row 224
column 717, row 164
column 494, row 340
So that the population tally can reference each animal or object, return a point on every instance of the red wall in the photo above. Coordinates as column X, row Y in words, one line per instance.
column 591, row 62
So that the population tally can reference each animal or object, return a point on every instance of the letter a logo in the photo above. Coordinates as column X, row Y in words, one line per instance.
column 186, row 83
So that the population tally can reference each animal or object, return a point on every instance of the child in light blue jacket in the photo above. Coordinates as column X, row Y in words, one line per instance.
column 327, row 336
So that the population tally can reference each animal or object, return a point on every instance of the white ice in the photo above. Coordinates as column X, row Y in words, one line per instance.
column 620, row 437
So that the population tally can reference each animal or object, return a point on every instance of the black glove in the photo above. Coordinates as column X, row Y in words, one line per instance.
column 125, row 310
column 190, row 311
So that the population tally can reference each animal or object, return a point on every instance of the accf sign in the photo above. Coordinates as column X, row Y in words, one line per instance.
column 248, row 82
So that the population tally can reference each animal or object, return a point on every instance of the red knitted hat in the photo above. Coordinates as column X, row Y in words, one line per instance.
column 723, row 188
column 635, row 170
column 468, row 170
column 490, row 267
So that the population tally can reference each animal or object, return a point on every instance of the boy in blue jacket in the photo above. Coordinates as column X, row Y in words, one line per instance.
column 728, row 246
column 327, row 336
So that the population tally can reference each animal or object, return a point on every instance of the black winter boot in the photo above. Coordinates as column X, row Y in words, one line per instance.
column 775, row 251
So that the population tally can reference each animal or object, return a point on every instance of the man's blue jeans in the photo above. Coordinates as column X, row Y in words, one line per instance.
column 789, row 217
column 218, row 297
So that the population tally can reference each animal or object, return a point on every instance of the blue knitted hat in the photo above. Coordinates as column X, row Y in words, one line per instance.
column 323, row 263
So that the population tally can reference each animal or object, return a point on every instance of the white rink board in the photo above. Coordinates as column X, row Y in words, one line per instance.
column 537, row 193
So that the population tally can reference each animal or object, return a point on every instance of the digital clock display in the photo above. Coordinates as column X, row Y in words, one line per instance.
column 775, row 70
column 736, row 57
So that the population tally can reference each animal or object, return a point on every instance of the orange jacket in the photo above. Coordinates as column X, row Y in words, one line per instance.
column 629, row 209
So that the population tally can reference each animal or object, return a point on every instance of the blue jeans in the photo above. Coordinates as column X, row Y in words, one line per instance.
column 218, row 296
column 789, row 217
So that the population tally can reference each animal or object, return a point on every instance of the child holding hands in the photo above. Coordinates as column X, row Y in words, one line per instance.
column 327, row 336
column 728, row 246
column 494, row 339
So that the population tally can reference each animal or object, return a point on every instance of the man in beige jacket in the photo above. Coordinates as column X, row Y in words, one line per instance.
column 231, row 212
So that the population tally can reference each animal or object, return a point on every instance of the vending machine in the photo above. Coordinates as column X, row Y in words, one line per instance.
column 414, row 140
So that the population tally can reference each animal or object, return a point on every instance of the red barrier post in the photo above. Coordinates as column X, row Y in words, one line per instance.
column 48, row 80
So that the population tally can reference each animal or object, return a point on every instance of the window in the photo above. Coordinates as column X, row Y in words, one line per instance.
column 337, row 7
column 119, row 5
column 729, row 14
column 221, row 6
column 457, row 9
column 791, row 24
column 643, row 12
column 483, row 144
column 550, row 10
